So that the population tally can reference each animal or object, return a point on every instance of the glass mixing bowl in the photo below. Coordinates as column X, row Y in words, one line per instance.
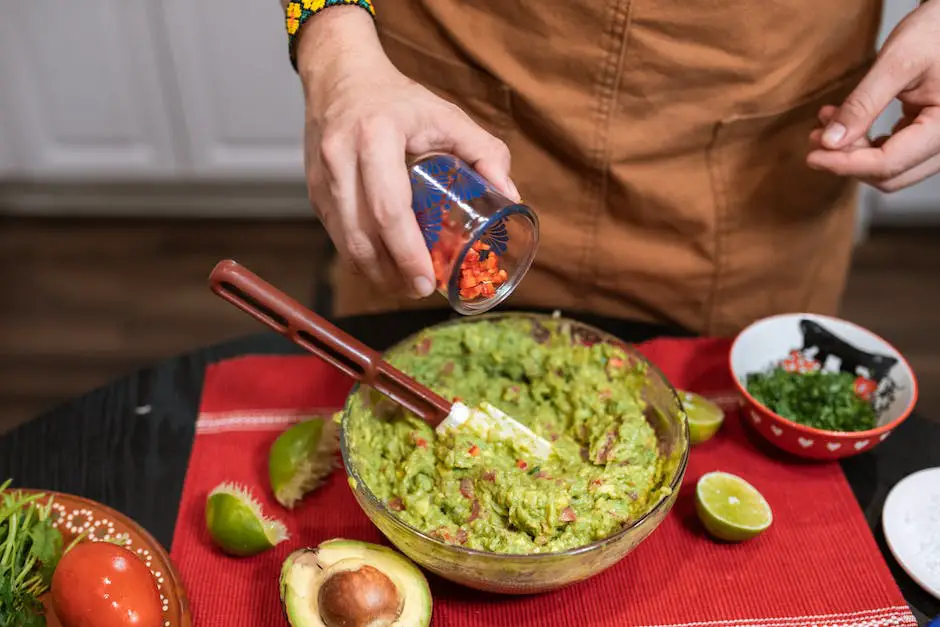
column 539, row 572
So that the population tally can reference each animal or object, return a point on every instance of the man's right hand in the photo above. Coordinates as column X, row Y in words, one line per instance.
column 362, row 117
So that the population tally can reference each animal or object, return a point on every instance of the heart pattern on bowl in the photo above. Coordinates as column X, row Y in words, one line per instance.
column 884, row 436
column 805, row 442
column 755, row 417
column 776, row 430
column 861, row 444
column 833, row 446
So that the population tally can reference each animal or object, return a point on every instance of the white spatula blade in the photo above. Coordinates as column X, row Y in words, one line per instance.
column 489, row 420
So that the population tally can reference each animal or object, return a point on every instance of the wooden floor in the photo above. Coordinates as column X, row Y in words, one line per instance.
column 87, row 301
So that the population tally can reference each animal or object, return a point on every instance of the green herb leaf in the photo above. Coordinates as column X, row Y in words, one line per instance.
column 47, row 548
column 823, row 400
column 47, row 543
column 29, row 551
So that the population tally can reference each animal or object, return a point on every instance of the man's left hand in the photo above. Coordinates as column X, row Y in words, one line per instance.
column 907, row 68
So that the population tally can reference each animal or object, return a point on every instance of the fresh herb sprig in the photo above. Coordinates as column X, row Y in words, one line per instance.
column 30, row 549
column 818, row 399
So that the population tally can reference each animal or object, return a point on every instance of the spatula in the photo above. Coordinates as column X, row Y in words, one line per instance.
column 242, row 288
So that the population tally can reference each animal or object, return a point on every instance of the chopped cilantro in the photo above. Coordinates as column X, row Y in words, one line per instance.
column 822, row 400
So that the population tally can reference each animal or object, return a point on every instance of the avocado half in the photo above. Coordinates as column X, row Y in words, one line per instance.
column 355, row 584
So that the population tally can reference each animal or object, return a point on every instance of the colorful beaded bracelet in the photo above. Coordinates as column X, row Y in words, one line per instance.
column 299, row 11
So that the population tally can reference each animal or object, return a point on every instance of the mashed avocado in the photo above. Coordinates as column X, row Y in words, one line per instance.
column 606, row 469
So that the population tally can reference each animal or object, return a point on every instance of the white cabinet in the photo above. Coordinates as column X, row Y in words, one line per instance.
column 6, row 150
column 240, row 101
column 80, row 90
column 99, row 90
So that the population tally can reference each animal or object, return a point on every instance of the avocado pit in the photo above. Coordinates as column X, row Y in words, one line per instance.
column 358, row 595
column 348, row 583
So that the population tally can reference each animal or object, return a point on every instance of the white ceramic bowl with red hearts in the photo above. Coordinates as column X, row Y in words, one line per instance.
column 801, row 340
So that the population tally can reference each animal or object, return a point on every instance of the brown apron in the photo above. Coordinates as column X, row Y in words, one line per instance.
column 662, row 143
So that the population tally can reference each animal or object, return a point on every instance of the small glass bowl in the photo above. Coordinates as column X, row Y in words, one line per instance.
column 526, row 574
column 481, row 243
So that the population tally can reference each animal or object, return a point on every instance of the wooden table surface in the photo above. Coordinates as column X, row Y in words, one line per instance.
column 90, row 300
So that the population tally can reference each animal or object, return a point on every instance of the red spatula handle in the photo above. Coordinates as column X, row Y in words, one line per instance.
column 267, row 304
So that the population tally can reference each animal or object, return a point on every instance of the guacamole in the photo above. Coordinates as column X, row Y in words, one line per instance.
column 606, row 469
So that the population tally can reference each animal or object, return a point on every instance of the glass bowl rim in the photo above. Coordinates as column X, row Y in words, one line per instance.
column 674, row 485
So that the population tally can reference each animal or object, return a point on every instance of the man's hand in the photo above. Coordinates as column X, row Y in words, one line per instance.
column 363, row 118
column 907, row 68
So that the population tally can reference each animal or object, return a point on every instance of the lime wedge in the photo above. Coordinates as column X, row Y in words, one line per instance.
column 237, row 524
column 705, row 417
column 731, row 508
column 302, row 458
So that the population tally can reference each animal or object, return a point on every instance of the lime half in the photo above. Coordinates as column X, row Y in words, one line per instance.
column 731, row 508
column 705, row 417
column 237, row 524
column 302, row 458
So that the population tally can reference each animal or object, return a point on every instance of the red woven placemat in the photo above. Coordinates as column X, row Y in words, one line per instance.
column 817, row 565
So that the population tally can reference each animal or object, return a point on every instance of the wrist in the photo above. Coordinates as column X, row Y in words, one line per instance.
column 336, row 45
column 339, row 34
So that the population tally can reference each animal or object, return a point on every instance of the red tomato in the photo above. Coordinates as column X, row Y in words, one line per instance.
column 98, row 584
column 864, row 388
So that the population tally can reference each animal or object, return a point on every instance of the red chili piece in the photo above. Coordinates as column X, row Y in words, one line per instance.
column 480, row 275
column 443, row 251
column 474, row 450
column 442, row 534
column 864, row 388
column 796, row 362
column 520, row 463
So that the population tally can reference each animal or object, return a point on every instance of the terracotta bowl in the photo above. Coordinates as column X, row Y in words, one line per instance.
column 74, row 515
column 834, row 345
